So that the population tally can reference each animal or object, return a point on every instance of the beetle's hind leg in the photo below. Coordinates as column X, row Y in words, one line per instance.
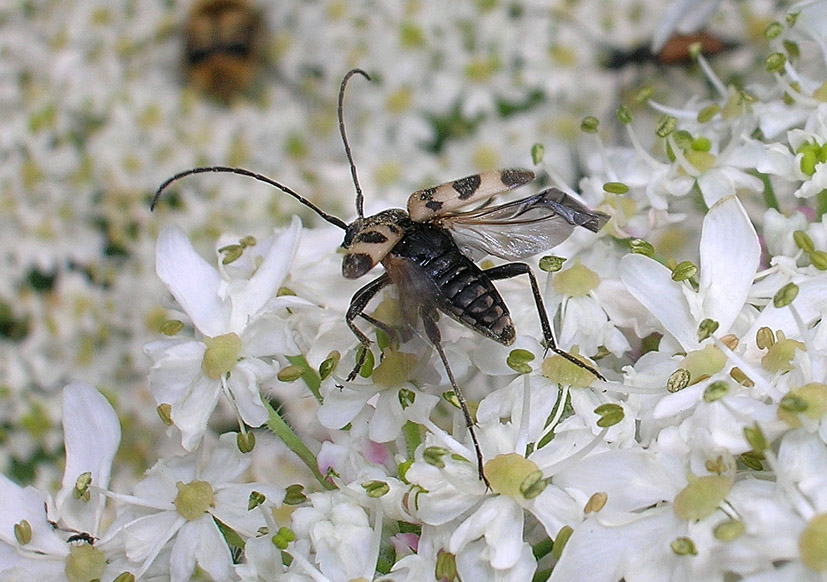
column 435, row 337
column 358, row 303
column 392, row 333
column 510, row 270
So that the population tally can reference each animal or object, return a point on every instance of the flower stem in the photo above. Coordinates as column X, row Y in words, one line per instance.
column 769, row 192
column 283, row 430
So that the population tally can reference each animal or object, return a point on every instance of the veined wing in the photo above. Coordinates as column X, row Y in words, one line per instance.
column 522, row 228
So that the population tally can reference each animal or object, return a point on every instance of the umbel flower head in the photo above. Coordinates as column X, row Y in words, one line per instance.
column 703, row 454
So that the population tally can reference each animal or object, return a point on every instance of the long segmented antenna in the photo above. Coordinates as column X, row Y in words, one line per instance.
column 261, row 178
column 340, row 110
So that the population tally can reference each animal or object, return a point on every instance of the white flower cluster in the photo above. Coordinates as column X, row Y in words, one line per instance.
column 701, row 456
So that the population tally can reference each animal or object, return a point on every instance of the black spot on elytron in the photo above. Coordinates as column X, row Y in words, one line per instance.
column 514, row 177
column 371, row 236
column 466, row 187
column 355, row 265
column 433, row 205
column 427, row 193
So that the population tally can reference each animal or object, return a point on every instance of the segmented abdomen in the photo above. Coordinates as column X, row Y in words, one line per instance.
column 438, row 273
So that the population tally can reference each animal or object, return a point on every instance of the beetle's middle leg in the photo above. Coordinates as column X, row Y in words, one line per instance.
column 435, row 337
column 510, row 270
column 358, row 303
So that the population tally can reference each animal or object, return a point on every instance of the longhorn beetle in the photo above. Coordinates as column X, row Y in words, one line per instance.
column 421, row 251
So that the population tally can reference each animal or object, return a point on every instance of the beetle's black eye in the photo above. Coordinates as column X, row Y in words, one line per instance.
column 351, row 231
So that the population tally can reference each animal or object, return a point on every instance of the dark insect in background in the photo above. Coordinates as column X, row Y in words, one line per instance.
column 676, row 51
column 223, row 46
column 424, row 251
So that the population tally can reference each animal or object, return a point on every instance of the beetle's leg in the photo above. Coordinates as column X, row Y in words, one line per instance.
column 357, row 306
column 512, row 270
column 435, row 337
column 392, row 334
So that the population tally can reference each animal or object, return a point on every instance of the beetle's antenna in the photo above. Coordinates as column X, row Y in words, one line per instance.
column 261, row 178
column 340, row 111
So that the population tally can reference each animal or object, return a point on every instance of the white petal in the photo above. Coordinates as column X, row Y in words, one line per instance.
column 638, row 550
column 270, row 334
column 182, row 558
column 341, row 406
column 594, row 555
column 632, row 479
column 555, row 508
column 191, row 413
column 191, row 280
column 768, row 158
column 679, row 402
column 200, row 542
column 386, row 423
column 268, row 277
column 18, row 503
column 244, row 385
column 500, row 521
column 231, row 506
column 176, row 364
column 145, row 536
column 651, row 283
column 726, row 181
column 91, row 433
column 810, row 303
column 729, row 255
column 226, row 463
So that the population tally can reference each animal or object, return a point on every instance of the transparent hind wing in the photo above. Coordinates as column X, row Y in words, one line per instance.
column 522, row 228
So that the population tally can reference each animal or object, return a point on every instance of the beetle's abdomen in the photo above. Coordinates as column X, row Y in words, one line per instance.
column 429, row 269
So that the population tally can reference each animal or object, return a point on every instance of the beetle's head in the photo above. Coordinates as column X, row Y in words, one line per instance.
column 368, row 240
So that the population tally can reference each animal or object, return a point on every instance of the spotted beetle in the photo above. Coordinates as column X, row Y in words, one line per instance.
column 425, row 252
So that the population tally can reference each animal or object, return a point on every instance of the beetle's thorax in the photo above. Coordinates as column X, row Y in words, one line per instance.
column 369, row 239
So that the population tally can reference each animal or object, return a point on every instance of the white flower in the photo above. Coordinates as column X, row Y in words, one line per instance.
column 239, row 325
column 391, row 407
column 729, row 254
column 489, row 528
column 181, row 500
column 588, row 292
column 92, row 435
column 343, row 541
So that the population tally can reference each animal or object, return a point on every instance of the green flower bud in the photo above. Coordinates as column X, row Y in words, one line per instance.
column 589, row 124
column 610, row 414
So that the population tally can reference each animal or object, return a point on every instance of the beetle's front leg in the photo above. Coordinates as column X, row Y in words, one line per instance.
column 510, row 270
column 358, row 303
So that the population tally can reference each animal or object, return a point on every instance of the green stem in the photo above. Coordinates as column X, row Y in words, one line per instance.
column 309, row 375
column 282, row 430
column 821, row 203
column 769, row 193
